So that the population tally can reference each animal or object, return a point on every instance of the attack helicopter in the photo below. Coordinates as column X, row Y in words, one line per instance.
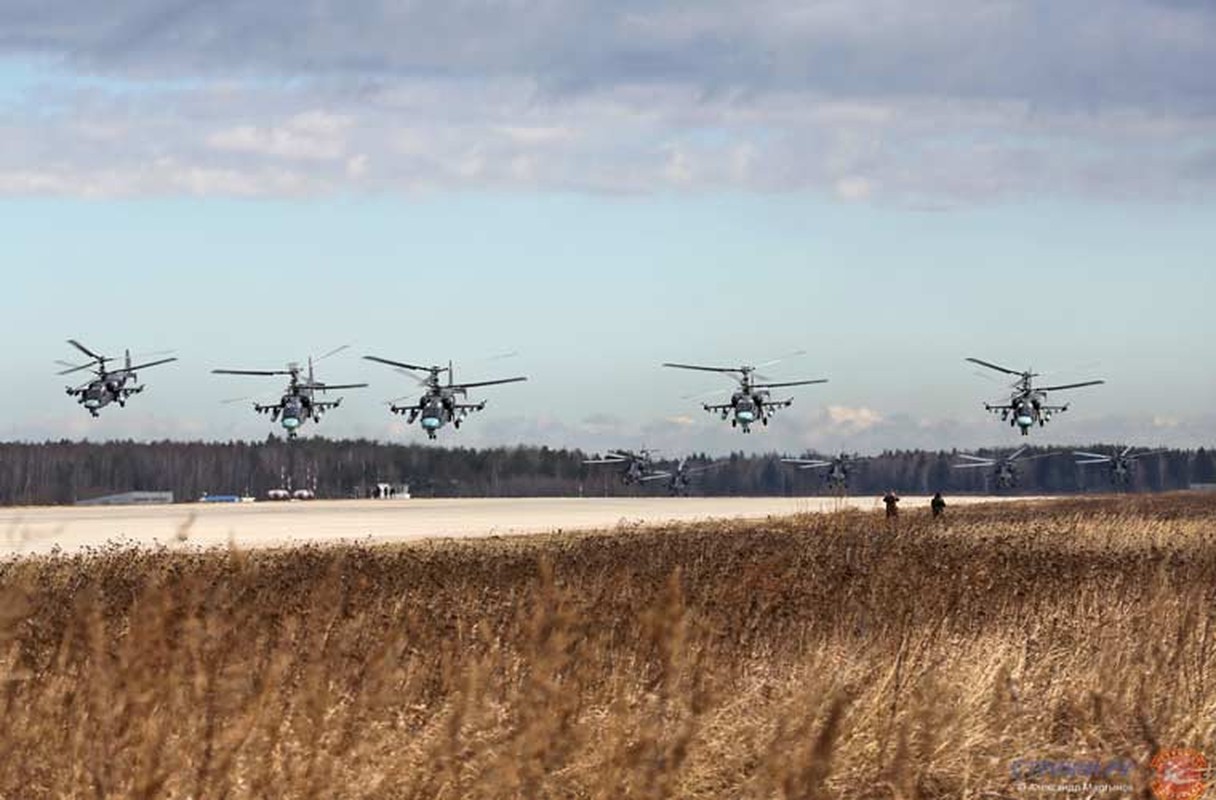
column 680, row 478
column 638, row 466
column 1004, row 470
column 751, row 402
column 839, row 468
column 1028, row 403
column 109, row 386
column 442, row 402
column 1122, row 463
column 299, row 402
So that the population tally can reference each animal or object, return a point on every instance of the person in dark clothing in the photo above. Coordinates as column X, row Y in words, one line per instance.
column 937, row 504
column 892, row 501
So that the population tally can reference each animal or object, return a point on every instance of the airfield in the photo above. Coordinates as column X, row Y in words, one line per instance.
column 40, row 530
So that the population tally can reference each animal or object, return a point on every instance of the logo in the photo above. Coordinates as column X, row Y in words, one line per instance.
column 1179, row 774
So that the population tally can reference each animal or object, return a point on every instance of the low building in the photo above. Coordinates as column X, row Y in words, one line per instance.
column 130, row 499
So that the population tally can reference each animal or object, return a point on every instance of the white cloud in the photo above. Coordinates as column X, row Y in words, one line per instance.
column 312, row 135
column 853, row 419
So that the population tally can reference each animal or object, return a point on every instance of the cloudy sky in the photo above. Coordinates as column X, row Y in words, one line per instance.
column 601, row 187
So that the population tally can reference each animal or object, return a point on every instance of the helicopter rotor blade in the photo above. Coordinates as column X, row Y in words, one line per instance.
column 1070, row 386
column 262, row 372
column 807, row 462
column 1024, row 459
column 787, row 357
column 150, row 364
column 726, row 370
column 325, row 387
column 400, row 364
column 76, row 369
column 980, row 459
column 333, row 352
column 478, row 384
column 86, row 350
column 785, row 384
column 1098, row 456
column 997, row 367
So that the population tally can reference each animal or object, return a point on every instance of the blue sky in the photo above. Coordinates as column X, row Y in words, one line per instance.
column 700, row 182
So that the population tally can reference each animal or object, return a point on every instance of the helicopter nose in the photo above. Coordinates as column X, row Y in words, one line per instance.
column 746, row 416
column 92, row 402
column 291, row 423
column 430, row 423
column 1025, row 421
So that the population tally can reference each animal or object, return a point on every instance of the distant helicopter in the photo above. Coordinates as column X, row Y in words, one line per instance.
column 442, row 402
column 1028, row 404
column 638, row 466
column 680, row 478
column 109, row 386
column 751, row 402
column 1004, row 469
column 1121, row 463
column 839, row 468
column 299, row 402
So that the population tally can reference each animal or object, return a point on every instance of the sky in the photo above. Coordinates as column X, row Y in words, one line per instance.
column 596, row 188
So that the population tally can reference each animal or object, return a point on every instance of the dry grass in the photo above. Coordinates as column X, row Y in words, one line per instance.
column 819, row 656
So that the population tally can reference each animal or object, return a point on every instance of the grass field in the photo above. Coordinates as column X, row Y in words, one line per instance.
column 814, row 656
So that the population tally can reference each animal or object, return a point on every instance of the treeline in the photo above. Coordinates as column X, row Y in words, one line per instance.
column 64, row 471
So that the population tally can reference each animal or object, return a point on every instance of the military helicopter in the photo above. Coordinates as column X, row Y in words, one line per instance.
column 1121, row 463
column 751, row 402
column 1028, row 404
column 639, row 466
column 441, row 403
column 108, row 386
column 1004, row 470
column 839, row 468
column 298, row 403
column 680, row 479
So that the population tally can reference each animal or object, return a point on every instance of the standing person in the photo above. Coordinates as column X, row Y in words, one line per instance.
column 937, row 504
column 892, row 501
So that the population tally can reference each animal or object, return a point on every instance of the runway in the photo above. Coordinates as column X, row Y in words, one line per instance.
column 39, row 530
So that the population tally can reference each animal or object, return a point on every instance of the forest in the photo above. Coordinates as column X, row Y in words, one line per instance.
column 69, row 471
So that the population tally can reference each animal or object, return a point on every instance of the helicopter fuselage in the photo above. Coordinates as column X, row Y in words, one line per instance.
column 109, row 387
column 746, row 407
